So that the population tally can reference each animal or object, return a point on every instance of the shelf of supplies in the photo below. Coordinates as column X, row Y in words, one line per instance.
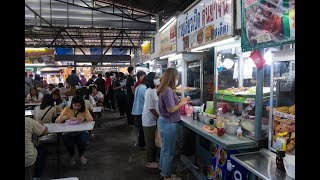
column 283, row 115
column 238, row 98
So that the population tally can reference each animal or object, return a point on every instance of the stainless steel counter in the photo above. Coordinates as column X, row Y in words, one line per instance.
column 261, row 163
column 228, row 142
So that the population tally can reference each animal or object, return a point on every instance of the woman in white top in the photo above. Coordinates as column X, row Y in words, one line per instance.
column 150, row 115
column 34, row 95
column 97, row 95
column 46, row 112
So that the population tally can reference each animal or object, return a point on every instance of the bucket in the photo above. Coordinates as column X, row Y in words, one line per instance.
column 289, row 165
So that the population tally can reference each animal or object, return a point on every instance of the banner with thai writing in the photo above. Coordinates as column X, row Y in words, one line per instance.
column 39, row 55
column 267, row 23
column 169, row 39
column 145, row 51
column 206, row 22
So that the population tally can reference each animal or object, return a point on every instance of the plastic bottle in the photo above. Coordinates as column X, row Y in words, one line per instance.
column 239, row 132
column 281, row 148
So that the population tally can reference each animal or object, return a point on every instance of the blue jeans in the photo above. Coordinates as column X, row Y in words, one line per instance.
column 168, row 136
column 76, row 138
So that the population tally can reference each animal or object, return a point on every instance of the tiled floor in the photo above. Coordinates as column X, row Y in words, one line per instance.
column 112, row 155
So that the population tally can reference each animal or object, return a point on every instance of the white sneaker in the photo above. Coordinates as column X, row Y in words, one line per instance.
column 83, row 160
column 73, row 160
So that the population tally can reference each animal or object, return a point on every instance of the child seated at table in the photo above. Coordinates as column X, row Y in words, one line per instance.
column 76, row 112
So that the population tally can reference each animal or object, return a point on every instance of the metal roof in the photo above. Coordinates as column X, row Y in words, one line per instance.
column 94, row 23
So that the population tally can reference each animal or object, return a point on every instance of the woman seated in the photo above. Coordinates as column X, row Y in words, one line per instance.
column 59, row 102
column 97, row 95
column 34, row 96
column 76, row 112
column 83, row 92
column 46, row 112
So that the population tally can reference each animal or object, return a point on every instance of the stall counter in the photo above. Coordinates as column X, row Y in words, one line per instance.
column 228, row 142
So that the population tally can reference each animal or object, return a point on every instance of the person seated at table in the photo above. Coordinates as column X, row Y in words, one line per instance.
column 83, row 92
column 76, row 112
column 50, row 88
column 97, row 95
column 41, row 88
column 59, row 102
column 34, row 96
column 62, row 89
column 34, row 157
column 46, row 112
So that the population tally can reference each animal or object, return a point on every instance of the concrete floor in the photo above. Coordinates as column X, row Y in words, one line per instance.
column 112, row 155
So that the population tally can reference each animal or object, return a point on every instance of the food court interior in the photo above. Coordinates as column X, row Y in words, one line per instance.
column 237, row 74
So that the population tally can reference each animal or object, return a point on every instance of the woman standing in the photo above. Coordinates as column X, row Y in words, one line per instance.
column 76, row 112
column 150, row 115
column 169, row 106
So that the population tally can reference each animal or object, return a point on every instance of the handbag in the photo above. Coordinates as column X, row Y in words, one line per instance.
column 157, row 139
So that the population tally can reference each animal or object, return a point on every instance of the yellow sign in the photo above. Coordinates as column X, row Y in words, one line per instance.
column 146, row 48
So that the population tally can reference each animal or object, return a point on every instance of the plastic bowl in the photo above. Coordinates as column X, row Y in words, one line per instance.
column 231, row 128
column 289, row 165
column 70, row 122
column 206, row 120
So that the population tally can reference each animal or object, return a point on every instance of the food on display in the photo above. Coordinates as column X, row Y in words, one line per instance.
column 210, row 173
column 214, row 150
column 286, row 109
column 187, row 89
column 222, row 158
column 208, row 33
column 285, row 125
column 200, row 36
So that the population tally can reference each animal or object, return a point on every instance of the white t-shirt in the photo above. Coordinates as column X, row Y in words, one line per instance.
column 30, row 152
column 92, row 101
column 98, row 96
column 40, row 96
column 150, row 102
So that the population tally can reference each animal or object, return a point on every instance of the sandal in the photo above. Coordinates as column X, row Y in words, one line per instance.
column 153, row 165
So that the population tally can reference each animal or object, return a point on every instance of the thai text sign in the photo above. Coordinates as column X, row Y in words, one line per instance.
column 206, row 22
column 267, row 23
column 169, row 39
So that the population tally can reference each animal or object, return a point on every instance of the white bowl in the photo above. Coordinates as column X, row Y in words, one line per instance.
column 289, row 165
column 231, row 128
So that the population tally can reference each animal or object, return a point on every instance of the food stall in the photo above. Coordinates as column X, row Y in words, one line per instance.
column 273, row 46
column 190, row 68
column 210, row 24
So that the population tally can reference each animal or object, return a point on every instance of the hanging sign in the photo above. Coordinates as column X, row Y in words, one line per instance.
column 168, row 39
column 257, row 59
column 267, row 23
column 206, row 22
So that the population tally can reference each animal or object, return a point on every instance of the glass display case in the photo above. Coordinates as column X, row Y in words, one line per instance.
column 282, row 100
column 190, row 68
column 235, row 89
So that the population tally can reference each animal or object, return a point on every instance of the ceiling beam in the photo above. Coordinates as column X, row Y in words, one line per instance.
column 91, row 28
column 103, row 12
column 75, row 46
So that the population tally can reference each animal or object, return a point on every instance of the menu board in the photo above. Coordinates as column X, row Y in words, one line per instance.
column 206, row 22
column 169, row 39
column 267, row 23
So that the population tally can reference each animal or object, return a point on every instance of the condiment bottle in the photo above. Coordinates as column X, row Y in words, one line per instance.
column 211, row 124
column 281, row 147
column 239, row 132
column 220, row 128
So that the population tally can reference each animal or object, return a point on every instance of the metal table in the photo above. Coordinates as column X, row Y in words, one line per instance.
column 227, row 141
column 262, row 164
column 60, row 128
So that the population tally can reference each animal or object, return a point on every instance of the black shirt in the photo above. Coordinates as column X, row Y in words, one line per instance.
column 100, row 85
column 129, row 83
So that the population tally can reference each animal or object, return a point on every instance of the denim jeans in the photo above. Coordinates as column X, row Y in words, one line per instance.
column 168, row 136
column 76, row 138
